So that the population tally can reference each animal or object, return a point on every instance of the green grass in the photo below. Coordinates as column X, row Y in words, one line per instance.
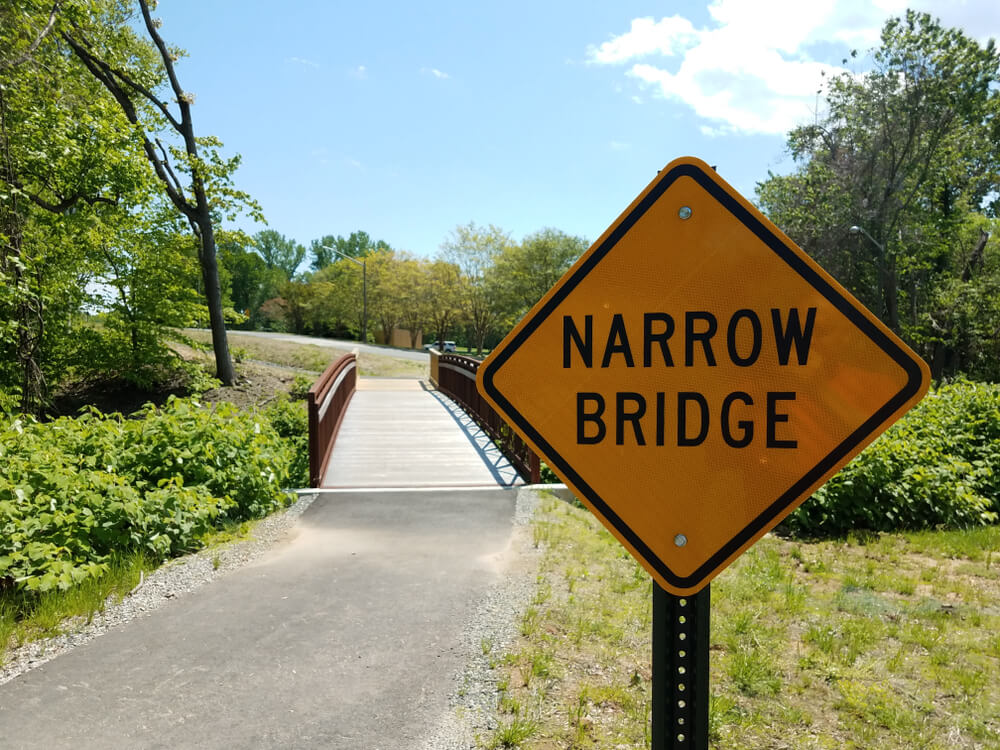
column 513, row 733
column 471, row 351
column 231, row 531
column 887, row 641
column 26, row 617
column 977, row 544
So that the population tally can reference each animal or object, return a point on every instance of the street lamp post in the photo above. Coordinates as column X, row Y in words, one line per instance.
column 886, row 268
column 860, row 230
column 364, row 289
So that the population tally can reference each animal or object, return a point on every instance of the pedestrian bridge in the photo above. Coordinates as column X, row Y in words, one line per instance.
column 409, row 432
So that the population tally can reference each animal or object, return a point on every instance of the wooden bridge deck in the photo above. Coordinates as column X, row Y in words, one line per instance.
column 402, row 432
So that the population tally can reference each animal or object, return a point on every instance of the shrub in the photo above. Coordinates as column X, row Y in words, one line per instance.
column 939, row 466
column 291, row 421
column 547, row 475
column 74, row 491
column 300, row 387
column 232, row 454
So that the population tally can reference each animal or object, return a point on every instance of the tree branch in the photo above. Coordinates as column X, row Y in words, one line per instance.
column 183, row 127
column 975, row 261
column 67, row 203
column 64, row 203
column 167, row 168
column 129, row 81
column 103, row 73
column 35, row 44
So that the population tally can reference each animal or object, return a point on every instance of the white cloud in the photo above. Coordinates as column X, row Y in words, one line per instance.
column 360, row 72
column 620, row 146
column 434, row 72
column 668, row 36
column 757, row 67
column 302, row 61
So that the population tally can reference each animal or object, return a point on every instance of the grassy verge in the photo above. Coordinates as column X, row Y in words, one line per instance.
column 312, row 357
column 888, row 641
column 471, row 351
column 26, row 617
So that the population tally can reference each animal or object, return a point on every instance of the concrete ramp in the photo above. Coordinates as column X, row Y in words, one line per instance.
column 401, row 432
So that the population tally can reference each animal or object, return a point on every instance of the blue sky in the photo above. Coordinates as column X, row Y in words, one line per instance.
column 407, row 119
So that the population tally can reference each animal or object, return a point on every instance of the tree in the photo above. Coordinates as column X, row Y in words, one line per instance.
column 385, row 290
column 530, row 269
column 279, row 252
column 65, row 149
column 343, row 298
column 475, row 251
column 908, row 152
column 141, row 76
column 414, row 296
column 300, row 303
column 148, row 267
column 443, row 289
column 251, row 282
column 356, row 245
column 960, row 328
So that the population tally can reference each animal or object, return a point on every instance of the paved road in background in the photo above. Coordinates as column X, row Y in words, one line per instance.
column 345, row 637
column 347, row 346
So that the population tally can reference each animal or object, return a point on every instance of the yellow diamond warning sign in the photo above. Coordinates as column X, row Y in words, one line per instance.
column 695, row 376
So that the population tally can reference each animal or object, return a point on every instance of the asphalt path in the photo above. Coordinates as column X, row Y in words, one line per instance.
column 344, row 636
column 417, row 355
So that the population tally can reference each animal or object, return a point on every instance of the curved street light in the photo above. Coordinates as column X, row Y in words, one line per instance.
column 364, row 289
column 859, row 230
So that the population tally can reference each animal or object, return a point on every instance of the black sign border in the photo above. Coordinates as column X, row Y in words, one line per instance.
column 792, row 259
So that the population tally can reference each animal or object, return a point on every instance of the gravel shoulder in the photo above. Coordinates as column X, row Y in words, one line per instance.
column 488, row 634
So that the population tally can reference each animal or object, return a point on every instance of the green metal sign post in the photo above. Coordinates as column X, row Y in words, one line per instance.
column 680, row 670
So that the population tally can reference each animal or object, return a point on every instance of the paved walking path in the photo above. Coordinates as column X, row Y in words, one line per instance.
column 345, row 637
column 400, row 432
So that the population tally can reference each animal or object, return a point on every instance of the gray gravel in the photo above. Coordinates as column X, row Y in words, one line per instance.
column 487, row 636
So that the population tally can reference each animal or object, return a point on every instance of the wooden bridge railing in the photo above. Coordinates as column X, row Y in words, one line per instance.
column 455, row 376
column 327, row 400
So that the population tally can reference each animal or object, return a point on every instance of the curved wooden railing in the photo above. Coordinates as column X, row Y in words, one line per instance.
column 455, row 376
column 328, row 399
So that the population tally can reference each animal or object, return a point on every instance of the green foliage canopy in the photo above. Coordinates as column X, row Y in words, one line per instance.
column 909, row 152
column 279, row 252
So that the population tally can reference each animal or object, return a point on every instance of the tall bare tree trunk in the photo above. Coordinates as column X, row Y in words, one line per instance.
column 209, row 263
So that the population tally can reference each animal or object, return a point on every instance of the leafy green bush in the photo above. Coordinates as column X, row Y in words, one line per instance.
column 74, row 491
column 231, row 454
column 547, row 475
column 300, row 387
column 99, row 352
column 939, row 466
column 291, row 421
